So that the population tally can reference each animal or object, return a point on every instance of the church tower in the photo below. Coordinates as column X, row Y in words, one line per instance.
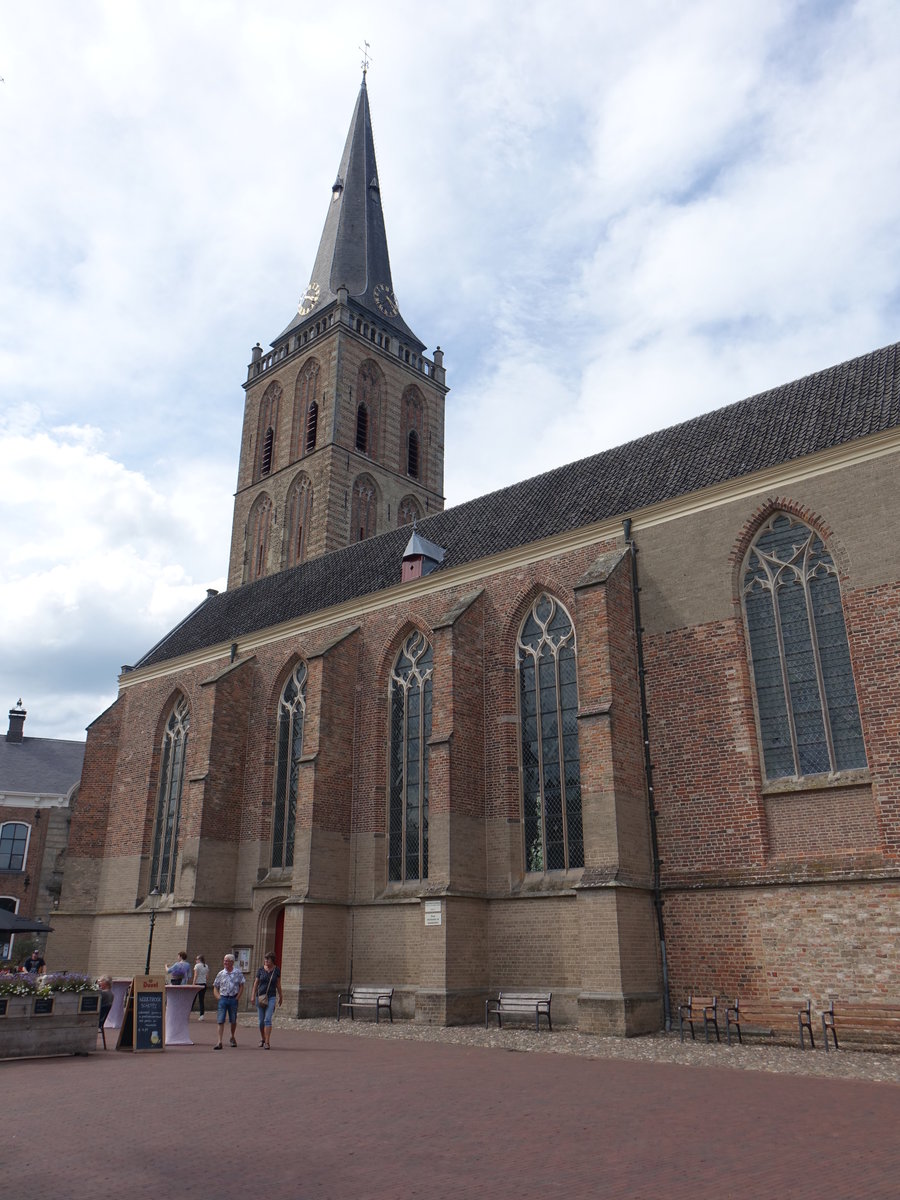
column 344, row 416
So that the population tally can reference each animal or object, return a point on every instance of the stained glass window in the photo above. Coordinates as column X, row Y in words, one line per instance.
column 551, row 766
column 291, row 714
column 168, row 803
column 410, row 701
column 805, row 695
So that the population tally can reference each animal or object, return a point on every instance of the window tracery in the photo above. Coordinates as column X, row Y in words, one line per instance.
column 806, row 703
column 168, row 803
column 410, row 705
column 548, row 712
column 291, row 717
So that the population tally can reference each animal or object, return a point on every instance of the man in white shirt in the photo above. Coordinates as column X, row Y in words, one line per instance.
column 227, row 988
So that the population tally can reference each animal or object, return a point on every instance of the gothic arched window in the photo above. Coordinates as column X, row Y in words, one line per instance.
column 168, row 797
column 266, row 429
column 410, row 701
column 296, row 526
column 803, row 678
column 258, row 537
column 306, row 409
column 363, row 510
column 312, row 426
column 13, row 845
column 548, row 714
column 412, row 433
column 362, row 429
column 408, row 511
column 412, row 454
column 369, row 388
column 291, row 713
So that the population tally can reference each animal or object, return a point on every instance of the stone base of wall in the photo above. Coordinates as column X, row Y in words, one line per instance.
column 619, row 1016
column 436, row 1006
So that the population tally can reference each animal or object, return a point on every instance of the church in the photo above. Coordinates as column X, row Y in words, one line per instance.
column 623, row 731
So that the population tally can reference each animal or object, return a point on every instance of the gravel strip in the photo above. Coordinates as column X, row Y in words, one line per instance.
column 882, row 1066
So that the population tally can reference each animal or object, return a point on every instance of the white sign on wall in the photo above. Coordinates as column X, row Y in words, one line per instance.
column 433, row 912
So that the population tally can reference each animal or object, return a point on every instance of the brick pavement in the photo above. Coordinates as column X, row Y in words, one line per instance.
column 326, row 1117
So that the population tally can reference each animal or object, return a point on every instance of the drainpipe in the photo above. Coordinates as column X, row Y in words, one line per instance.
column 648, row 770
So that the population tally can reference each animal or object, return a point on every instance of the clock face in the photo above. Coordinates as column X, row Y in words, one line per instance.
column 308, row 300
column 384, row 298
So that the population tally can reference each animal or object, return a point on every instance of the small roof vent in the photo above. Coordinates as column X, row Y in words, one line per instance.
column 421, row 557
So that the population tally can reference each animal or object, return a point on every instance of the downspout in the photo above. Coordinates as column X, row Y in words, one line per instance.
column 648, row 770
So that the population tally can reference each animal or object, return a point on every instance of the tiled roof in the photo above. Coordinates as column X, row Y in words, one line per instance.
column 45, row 766
column 831, row 408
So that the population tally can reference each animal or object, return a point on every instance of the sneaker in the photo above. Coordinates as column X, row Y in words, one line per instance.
column 200, row 1018
column 233, row 1042
column 217, row 1046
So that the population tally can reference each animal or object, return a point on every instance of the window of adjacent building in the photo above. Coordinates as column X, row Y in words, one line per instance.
column 548, row 710
column 168, row 802
column 410, row 702
column 7, row 904
column 363, row 509
column 803, row 678
column 299, row 515
column 13, row 845
column 291, row 714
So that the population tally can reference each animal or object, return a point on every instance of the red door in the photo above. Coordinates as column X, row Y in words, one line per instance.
column 279, row 935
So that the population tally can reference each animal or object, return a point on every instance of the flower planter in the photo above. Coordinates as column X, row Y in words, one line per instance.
column 41, row 1025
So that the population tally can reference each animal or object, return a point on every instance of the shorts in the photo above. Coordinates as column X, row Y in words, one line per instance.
column 227, row 1009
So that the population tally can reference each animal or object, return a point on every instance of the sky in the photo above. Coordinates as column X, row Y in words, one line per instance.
column 610, row 217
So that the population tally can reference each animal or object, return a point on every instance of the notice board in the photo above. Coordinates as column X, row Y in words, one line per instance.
column 144, row 1023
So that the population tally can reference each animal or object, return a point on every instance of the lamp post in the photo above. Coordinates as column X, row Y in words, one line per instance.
column 154, row 896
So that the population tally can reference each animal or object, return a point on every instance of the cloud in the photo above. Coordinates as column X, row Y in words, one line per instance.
column 610, row 222
column 98, row 563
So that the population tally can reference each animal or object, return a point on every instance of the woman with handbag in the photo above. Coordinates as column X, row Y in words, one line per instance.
column 266, row 990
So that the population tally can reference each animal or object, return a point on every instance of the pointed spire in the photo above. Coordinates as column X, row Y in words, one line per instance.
column 353, row 250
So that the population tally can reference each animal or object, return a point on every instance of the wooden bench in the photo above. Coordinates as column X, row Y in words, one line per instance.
column 699, row 1008
column 518, row 1004
column 871, row 1020
column 770, row 1017
column 367, row 996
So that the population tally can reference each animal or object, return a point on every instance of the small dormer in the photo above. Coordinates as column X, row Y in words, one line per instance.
column 420, row 557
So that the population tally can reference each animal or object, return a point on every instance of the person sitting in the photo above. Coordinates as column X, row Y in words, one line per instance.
column 106, row 999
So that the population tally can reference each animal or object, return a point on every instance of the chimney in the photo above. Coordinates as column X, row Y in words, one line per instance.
column 17, row 717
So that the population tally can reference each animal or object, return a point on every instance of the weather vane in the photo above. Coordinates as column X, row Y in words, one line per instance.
column 366, row 59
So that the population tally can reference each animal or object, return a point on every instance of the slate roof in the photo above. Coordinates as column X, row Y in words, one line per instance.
column 46, row 766
column 820, row 411
column 353, row 249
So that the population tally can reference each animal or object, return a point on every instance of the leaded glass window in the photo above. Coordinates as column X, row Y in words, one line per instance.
column 168, row 802
column 13, row 845
column 410, row 701
column 551, row 766
column 805, row 695
column 291, row 714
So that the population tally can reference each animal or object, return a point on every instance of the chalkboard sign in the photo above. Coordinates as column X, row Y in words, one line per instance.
column 89, row 1003
column 4, row 1001
column 43, row 1006
column 148, row 1021
column 144, row 1020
